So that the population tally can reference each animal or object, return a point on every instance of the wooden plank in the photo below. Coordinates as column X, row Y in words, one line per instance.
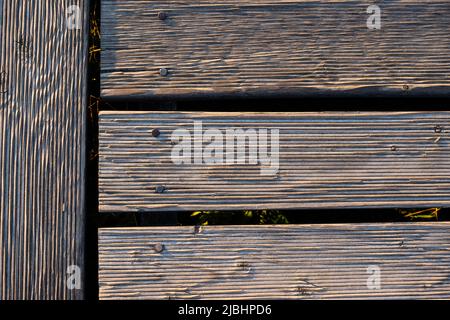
column 276, row 262
column 252, row 47
column 42, row 156
column 326, row 160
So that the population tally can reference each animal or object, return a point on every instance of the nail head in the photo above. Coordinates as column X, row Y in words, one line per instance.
column 162, row 15
column 158, row 247
column 163, row 72
column 438, row 129
column 156, row 133
column 160, row 189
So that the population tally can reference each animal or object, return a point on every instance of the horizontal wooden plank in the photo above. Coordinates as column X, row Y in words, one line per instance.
column 43, row 90
column 252, row 47
column 326, row 160
column 276, row 262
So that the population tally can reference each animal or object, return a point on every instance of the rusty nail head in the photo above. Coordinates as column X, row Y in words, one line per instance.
column 163, row 72
column 156, row 133
column 162, row 15
column 160, row 189
column 438, row 129
column 405, row 87
column 393, row 148
column 158, row 247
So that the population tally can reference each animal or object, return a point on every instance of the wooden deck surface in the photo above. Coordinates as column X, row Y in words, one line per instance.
column 326, row 160
column 271, row 47
column 237, row 48
column 42, row 139
column 269, row 262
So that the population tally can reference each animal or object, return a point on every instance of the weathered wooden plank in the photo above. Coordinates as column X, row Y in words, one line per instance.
column 42, row 135
column 269, row 47
column 326, row 160
column 284, row 262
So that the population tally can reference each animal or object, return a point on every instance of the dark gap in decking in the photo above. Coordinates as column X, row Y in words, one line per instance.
column 282, row 104
column 91, row 243
column 319, row 216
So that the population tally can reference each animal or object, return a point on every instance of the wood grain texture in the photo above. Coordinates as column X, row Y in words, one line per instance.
column 261, row 48
column 275, row 262
column 326, row 160
column 42, row 139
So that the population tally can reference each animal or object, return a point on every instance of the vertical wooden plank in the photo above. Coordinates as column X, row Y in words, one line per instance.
column 42, row 156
